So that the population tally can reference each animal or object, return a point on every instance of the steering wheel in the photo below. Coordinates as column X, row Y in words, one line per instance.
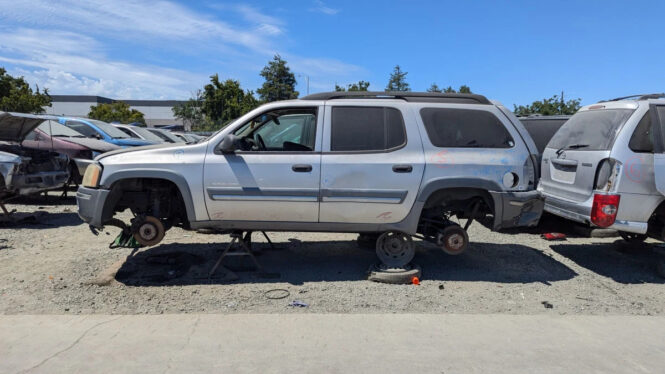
column 262, row 144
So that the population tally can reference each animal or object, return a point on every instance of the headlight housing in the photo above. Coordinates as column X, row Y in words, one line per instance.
column 93, row 173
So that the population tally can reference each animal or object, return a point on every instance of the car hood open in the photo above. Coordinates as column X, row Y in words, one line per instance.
column 14, row 127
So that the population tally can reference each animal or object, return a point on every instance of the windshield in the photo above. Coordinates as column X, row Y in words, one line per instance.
column 55, row 129
column 146, row 134
column 110, row 130
column 592, row 130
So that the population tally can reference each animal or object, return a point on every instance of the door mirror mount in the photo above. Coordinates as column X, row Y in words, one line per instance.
column 228, row 144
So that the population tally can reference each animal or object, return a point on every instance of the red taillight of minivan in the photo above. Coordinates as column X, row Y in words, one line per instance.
column 604, row 209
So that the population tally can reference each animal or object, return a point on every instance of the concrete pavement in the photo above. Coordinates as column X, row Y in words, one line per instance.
column 331, row 343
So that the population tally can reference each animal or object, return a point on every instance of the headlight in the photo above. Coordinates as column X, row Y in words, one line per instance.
column 92, row 175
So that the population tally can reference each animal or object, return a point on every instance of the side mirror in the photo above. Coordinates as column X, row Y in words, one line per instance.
column 96, row 136
column 228, row 144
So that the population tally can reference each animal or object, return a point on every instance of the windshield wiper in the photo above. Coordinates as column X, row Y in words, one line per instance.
column 572, row 146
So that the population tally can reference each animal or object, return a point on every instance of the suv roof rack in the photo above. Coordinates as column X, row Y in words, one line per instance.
column 431, row 97
column 639, row 97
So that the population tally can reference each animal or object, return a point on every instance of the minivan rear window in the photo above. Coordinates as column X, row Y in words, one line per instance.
column 592, row 130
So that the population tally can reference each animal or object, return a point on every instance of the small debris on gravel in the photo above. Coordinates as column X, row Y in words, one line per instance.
column 298, row 303
column 547, row 305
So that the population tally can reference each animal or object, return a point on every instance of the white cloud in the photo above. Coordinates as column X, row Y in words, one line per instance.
column 47, row 60
column 132, row 19
column 82, row 59
column 320, row 6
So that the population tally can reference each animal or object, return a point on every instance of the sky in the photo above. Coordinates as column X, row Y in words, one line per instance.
column 515, row 52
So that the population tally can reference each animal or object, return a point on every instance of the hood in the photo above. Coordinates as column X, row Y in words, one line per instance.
column 152, row 146
column 131, row 142
column 14, row 127
column 92, row 144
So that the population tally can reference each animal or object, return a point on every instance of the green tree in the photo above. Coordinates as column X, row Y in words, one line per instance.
column 190, row 112
column 116, row 112
column 360, row 86
column 17, row 96
column 434, row 88
column 280, row 83
column 224, row 101
column 398, row 81
column 547, row 107
column 462, row 89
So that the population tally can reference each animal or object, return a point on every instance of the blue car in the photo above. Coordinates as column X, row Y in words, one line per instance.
column 93, row 128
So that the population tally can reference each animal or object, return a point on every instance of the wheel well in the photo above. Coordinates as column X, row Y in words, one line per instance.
column 156, row 197
column 460, row 200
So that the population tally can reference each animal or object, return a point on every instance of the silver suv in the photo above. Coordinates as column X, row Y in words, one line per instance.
column 605, row 167
column 397, row 163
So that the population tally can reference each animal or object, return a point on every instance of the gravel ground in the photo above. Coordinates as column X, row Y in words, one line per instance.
column 56, row 265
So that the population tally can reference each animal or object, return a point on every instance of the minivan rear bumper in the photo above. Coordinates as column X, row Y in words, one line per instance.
column 517, row 209
column 580, row 211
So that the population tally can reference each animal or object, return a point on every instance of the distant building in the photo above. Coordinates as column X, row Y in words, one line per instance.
column 156, row 112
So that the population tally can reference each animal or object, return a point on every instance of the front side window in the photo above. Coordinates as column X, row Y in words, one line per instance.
column 465, row 128
column 366, row 129
column 285, row 130
column 590, row 130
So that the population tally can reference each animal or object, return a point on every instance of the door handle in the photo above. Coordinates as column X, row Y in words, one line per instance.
column 301, row 168
column 402, row 168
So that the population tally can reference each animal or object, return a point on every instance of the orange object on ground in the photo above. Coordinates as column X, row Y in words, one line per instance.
column 415, row 281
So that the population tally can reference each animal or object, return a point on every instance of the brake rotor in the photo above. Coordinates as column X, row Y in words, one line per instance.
column 395, row 249
column 453, row 240
column 149, row 231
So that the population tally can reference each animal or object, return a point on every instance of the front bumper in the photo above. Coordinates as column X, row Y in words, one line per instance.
column 517, row 209
column 25, row 184
column 90, row 202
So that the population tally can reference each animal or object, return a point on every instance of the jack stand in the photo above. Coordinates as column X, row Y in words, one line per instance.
column 244, row 248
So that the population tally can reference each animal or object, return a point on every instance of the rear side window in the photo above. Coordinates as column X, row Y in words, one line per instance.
column 591, row 130
column 366, row 129
column 642, row 139
column 465, row 128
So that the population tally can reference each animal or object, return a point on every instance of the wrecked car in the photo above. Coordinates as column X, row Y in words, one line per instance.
column 23, row 170
column 80, row 149
column 388, row 165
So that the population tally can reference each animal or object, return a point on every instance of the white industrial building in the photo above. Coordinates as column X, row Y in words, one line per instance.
column 156, row 112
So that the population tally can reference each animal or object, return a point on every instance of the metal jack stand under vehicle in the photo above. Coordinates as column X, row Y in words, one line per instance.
column 244, row 248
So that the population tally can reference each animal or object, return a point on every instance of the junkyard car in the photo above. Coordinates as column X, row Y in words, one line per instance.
column 606, row 167
column 51, row 135
column 399, row 164
column 23, row 170
column 101, row 130
column 140, row 133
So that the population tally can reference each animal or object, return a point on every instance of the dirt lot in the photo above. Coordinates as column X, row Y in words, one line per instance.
column 56, row 266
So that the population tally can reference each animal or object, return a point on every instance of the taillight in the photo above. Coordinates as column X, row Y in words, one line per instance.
column 604, row 209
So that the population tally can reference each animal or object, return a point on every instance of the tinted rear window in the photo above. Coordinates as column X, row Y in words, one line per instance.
column 594, row 128
column 366, row 129
column 465, row 128
column 542, row 129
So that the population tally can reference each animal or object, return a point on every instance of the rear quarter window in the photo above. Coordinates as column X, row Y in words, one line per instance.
column 642, row 139
column 465, row 128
